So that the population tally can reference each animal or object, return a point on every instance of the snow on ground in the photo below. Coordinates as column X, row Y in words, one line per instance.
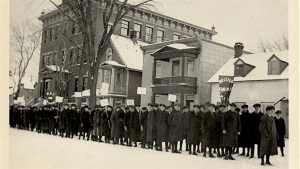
column 41, row 151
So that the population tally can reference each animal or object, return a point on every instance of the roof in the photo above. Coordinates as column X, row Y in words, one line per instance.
column 131, row 54
column 260, row 72
column 112, row 63
column 178, row 46
column 55, row 68
column 28, row 83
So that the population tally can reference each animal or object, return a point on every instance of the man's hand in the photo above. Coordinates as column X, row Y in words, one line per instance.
column 224, row 131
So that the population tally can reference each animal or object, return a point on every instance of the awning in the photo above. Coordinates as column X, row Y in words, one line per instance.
column 284, row 98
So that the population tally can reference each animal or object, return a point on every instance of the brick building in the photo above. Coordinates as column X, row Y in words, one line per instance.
column 123, row 65
column 258, row 78
column 182, row 68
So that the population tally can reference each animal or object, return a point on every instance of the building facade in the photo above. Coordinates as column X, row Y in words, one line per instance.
column 258, row 78
column 123, row 65
column 182, row 68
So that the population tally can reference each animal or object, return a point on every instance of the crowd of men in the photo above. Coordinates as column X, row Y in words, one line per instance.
column 216, row 131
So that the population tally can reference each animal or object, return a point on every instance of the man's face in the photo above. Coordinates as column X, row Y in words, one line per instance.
column 222, row 109
column 123, row 107
column 86, row 109
column 245, row 109
column 162, row 108
column 201, row 109
column 257, row 109
column 177, row 108
column 278, row 115
column 196, row 109
column 212, row 108
column 66, row 107
column 150, row 108
column 271, row 112
column 137, row 108
column 131, row 109
column 73, row 107
column 186, row 110
column 155, row 108
column 108, row 108
column 232, row 108
column 144, row 111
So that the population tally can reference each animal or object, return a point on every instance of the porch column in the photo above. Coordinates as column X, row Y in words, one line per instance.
column 112, row 79
column 154, row 71
column 182, row 69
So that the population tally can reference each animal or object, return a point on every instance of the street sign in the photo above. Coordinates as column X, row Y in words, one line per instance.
column 130, row 102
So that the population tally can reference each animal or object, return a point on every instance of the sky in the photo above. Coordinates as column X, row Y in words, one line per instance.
column 243, row 21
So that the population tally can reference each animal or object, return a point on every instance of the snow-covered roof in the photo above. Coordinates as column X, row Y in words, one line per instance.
column 54, row 68
column 131, row 54
column 260, row 72
column 26, row 81
column 178, row 46
column 113, row 63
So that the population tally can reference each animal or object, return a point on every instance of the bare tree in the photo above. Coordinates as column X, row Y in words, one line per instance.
column 278, row 43
column 24, row 41
column 84, row 15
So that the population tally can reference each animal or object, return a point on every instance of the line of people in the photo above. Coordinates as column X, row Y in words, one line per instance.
column 215, row 131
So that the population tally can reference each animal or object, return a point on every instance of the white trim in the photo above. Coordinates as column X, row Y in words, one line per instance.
column 161, row 29
column 140, row 23
column 47, row 80
column 125, row 19
column 149, row 26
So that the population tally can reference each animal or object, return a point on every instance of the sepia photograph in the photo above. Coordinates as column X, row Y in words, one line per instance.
column 140, row 84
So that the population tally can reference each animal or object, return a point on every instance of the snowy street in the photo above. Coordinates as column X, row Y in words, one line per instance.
column 38, row 151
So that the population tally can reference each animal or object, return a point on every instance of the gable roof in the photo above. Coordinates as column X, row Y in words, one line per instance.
column 53, row 68
column 260, row 72
column 112, row 63
column 131, row 54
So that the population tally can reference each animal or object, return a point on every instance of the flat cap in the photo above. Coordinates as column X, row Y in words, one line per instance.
column 256, row 105
column 233, row 104
column 270, row 108
column 245, row 106
column 162, row 105
column 222, row 105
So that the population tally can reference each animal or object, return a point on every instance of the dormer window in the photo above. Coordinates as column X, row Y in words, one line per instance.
column 276, row 66
column 241, row 69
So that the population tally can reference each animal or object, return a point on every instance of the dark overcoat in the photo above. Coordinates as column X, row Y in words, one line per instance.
column 209, row 128
column 51, row 116
column 85, row 121
column 267, row 128
column 231, row 124
column 257, row 133
column 26, row 117
column 194, row 128
column 174, row 122
column 62, row 123
column 242, row 138
column 127, row 116
column 161, row 125
column 120, row 123
column 106, row 126
column 219, row 129
column 143, row 124
column 281, row 130
column 113, row 120
column 45, row 120
column 97, row 120
column 32, row 119
column 135, row 128
column 184, row 125
column 151, row 126
column 250, row 137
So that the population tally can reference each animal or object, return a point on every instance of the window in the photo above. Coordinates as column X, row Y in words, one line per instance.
column 45, row 36
column 175, row 67
column 56, row 31
column 239, row 70
column 160, row 35
column 78, row 56
column 125, row 28
column 119, row 76
column 274, row 67
column 85, row 83
column 106, row 77
column 63, row 57
column 149, row 34
column 47, row 84
column 176, row 36
column 50, row 34
column 158, row 69
column 53, row 58
column 48, row 61
column 138, row 30
column 76, row 84
column 41, row 88
column 190, row 67
column 109, row 54
column 71, row 57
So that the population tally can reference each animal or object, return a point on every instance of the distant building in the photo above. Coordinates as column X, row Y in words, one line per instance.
column 28, row 90
column 123, row 65
column 258, row 78
column 182, row 68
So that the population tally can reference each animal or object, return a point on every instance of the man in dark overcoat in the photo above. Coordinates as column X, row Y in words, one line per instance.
column 85, row 123
column 97, row 120
column 201, row 113
column 185, row 126
column 231, row 129
column 175, row 132
column 161, row 127
column 194, row 129
column 113, row 120
column 259, row 114
column 72, row 121
column 219, row 133
column 26, row 115
column 251, row 131
column 134, row 125
column 209, row 128
column 107, row 123
column 151, row 134
column 32, row 119
column 143, row 123
column 52, row 113
column 267, row 128
column 126, row 133
column 243, row 137
column 120, row 125
column 281, row 130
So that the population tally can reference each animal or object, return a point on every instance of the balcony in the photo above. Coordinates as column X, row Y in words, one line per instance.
column 119, row 89
column 192, row 81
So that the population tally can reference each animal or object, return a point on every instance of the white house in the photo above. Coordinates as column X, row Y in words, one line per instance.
column 258, row 78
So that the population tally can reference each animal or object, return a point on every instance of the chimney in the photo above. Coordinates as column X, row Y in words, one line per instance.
column 238, row 49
